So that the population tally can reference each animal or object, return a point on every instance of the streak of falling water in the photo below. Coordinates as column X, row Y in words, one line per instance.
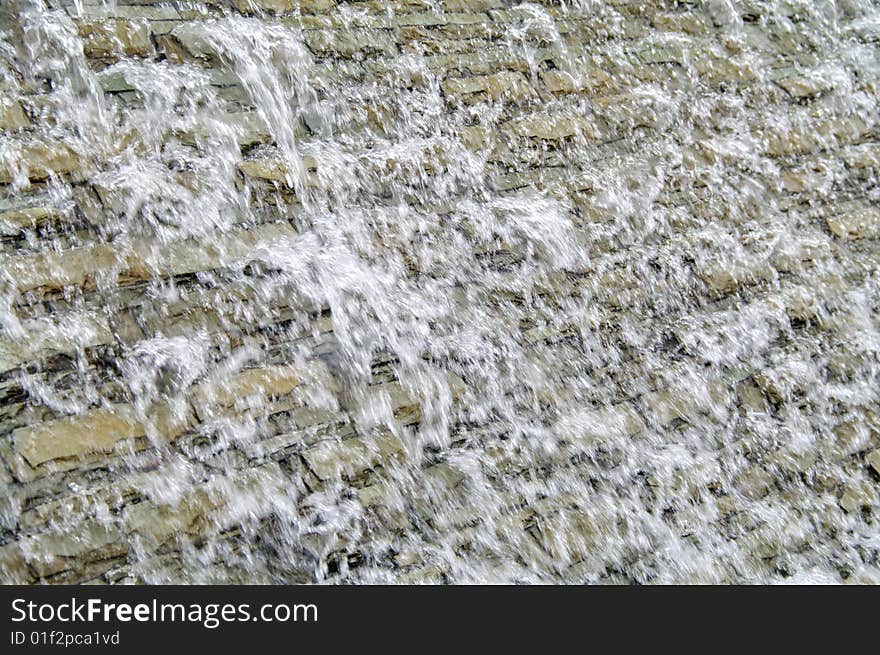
column 541, row 386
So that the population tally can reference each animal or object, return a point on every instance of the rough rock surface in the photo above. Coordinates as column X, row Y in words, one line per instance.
column 439, row 291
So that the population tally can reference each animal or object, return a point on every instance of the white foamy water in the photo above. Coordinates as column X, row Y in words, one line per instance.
column 578, row 296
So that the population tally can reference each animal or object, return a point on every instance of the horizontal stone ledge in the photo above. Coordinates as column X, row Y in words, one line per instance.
column 110, row 37
column 96, row 431
column 39, row 160
column 505, row 85
column 281, row 7
column 61, row 333
column 14, row 221
column 264, row 387
column 133, row 12
column 860, row 222
column 12, row 116
column 553, row 127
column 259, row 391
column 351, row 457
column 138, row 260
column 813, row 136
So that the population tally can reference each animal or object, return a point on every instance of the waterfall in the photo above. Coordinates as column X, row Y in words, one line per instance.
column 425, row 291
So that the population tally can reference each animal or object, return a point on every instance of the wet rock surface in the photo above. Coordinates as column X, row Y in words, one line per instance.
column 439, row 291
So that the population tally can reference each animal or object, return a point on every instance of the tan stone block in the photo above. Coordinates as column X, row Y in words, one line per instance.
column 866, row 155
column 754, row 482
column 96, row 431
column 506, row 85
column 346, row 43
column 14, row 221
column 724, row 278
column 593, row 80
column 39, row 160
column 804, row 86
column 808, row 136
column 858, row 494
column 571, row 535
column 138, row 260
column 12, row 116
column 13, row 566
column 475, row 137
column 273, row 169
column 351, row 457
column 260, row 386
column 156, row 524
column 110, row 37
column 551, row 127
column 284, row 6
column 59, row 269
column 64, row 333
column 858, row 223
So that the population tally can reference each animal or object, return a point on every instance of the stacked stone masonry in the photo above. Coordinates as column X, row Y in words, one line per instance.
column 663, row 369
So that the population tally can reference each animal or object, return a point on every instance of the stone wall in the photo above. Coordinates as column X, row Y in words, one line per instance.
column 675, row 376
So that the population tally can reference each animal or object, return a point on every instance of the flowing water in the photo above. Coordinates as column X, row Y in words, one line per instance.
column 439, row 291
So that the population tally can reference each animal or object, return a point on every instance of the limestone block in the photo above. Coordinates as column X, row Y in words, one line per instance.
column 667, row 51
column 749, row 396
column 96, row 431
column 59, row 269
column 443, row 475
column 570, row 535
column 13, row 565
column 866, row 155
column 259, row 387
column 850, row 437
column 725, row 277
column 591, row 80
column 53, row 552
column 506, row 85
column 807, row 179
column 804, row 86
column 551, row 127
column 718, row 69
column 109, row 37
column 147, row 10
column 139, row 260
column 754, row 482
column 809, row 136
column 156, row 524
column 457, row 6
column 273, row 169
column 38, row 160
column 195, row 40
column 475, row 137
column 690, row 22
column 12, row 116
column 347, row 43
column 861, row 222
column 874, row 460
column 14, row 221
column 351, row 457
column 284, row 6
column 248, row 127
column 63, row 334
column 858, row 494
column 793, row 254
